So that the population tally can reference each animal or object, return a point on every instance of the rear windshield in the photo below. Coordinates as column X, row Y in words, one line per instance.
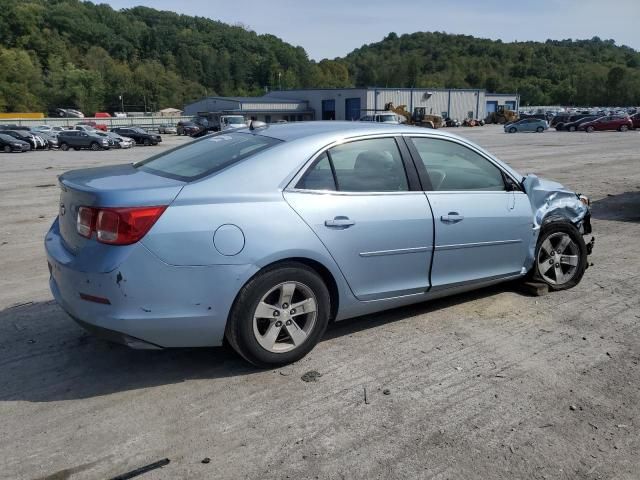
column 206, row 155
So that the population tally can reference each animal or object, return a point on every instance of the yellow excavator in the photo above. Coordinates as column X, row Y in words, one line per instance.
column 419, row 117
column 502, row 115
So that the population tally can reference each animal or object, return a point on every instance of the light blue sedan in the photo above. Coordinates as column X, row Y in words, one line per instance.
column 527, row 125
column 265, row 235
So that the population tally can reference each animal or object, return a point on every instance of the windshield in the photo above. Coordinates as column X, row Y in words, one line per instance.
column 206, row 156
column 235, row 120
column 388, row 118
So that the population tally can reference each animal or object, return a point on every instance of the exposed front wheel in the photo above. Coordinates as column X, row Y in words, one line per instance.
column 624, row 128
column 572, row 129
column 279, row 316
column 513, row 130
column 146, row 142
column 590, row 129
column 7, row 149
column 64, row 147
column 561, row 256
column 539, row 129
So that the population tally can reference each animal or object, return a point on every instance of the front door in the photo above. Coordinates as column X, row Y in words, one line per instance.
column 356, row 198
column 483, row 220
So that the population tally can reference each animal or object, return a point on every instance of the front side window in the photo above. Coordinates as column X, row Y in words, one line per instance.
column 450, row 166
column 206, row 155
column 373, row 165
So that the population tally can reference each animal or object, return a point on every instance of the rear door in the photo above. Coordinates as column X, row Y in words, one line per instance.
column 375, row 222
column 483, row 220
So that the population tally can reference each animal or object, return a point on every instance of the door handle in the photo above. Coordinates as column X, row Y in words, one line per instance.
column 452, row 217
column 339, row 222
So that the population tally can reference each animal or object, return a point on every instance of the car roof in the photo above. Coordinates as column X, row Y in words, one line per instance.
column 338, row 129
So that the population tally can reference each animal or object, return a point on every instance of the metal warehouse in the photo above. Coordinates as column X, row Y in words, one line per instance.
column 352, row 103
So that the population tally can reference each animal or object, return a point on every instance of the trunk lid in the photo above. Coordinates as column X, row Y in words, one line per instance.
column 109, row 186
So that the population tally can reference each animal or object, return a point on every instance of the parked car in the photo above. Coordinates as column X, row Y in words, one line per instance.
column 10, row 144
column 635, row 119
column 167, row 128
column 93, row 125
column 265, row 235
column 527, row 125
column 562, row 125
column 66, row 113
column 51, row 138
column 573, row 126
column 36, row 142
column 622, row 123
column 78, row 139
column 119, row 141
column 381, row 117
column 139, row 135
column 188, row 128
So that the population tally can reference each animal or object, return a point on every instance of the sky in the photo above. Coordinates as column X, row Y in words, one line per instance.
column 333, row 28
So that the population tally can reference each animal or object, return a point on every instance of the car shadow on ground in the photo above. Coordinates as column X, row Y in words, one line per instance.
column 624, row 207
column 45, row 356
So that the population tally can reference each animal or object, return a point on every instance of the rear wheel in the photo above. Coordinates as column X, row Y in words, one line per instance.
column 279, row 316
column 572, row 128
column 64, row 146
column 7, row 149
column 539, row 129
column 590, row 129
column 513, row 130
column 561, row 256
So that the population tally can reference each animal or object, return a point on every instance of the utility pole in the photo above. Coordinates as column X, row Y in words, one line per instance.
column 121, row 104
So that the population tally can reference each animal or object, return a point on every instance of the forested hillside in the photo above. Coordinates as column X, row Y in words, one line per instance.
column 68, row 53
column 565, row 72
column 72, row 53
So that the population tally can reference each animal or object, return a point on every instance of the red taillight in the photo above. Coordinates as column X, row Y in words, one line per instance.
column 84, row 221
column 119, row 226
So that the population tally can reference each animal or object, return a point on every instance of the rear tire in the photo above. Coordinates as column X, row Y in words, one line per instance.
column 263, row 321
column 572, row 129
column 560, row 256
column 590, row 129
column 539, row 129
column 7, row 149
column 94, row 146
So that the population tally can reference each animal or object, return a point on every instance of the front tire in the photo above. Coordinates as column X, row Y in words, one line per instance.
column 146, row 142
column 64, row 147
column 279, row 315
column 94, row 146
column 7, row 149
column 561, row 256
column 572, row 129
column 513, row 130
column 539, row 129
column 590, row 129
column 624, row 128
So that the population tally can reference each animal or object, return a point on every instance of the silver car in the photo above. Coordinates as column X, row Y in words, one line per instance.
column 527, row 125
column 265, row 235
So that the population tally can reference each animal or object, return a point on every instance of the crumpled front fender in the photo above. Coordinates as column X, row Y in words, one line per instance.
column 551, row 199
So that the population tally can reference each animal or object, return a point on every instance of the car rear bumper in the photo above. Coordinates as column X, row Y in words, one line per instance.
column 144, row 302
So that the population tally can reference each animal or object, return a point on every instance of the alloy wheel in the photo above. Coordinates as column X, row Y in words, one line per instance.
column 284, row 317
column 558, row 258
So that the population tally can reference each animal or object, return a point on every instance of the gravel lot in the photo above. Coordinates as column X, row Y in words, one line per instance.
column 493, row 384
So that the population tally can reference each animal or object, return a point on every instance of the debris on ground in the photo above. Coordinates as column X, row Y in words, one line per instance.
column 366, row 400
column 572, row 407
column 206, row 460
column 311, row 376
column 386, row 391
column 141, row 470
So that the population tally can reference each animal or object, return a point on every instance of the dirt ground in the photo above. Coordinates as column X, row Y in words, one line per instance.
column 493, row 384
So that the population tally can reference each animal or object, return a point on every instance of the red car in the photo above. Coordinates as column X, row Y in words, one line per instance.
column 621, row 123
column 635, row 118
column 92, row 124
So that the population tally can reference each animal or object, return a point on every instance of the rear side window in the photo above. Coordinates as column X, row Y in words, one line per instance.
column 372, row 165
column 450, row 166
column 206, row 155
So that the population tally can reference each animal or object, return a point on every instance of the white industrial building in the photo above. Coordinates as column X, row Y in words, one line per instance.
column 352, row 103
